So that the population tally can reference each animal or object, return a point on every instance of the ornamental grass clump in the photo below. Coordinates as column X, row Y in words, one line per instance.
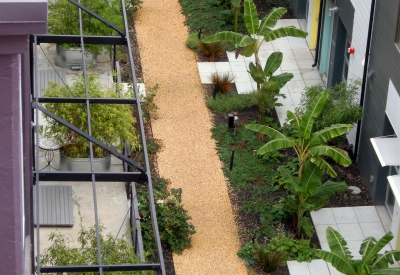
column 112, row 124
column 223, row 83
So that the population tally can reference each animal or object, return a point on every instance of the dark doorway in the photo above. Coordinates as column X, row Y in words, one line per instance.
column 338, row 53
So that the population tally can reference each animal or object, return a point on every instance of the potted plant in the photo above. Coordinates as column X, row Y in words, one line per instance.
column 63, row 19
column 110, row 123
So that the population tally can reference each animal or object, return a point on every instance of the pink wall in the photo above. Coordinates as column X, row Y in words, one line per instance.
column 18, row 19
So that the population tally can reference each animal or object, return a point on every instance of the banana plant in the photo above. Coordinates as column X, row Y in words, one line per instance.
column 311, row 149
column 236, row 8
column 371, row 263
column 259, row 33
column 307, row 194
column 270, row 84
column 307, row 145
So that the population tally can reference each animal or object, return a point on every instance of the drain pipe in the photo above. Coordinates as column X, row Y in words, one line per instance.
column 322, row 4
column 365, row 76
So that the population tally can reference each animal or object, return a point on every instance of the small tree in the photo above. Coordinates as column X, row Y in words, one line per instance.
column 259, row 32
column 371, row 263
column 311, row 148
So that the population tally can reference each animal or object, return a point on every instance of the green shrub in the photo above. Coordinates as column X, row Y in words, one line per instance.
column 294, row 249
column 192, row 42
column 173, row 220
column 212, row 15
column 63, row 251
column 232, row 102
column 342, row 106
column 248, row 254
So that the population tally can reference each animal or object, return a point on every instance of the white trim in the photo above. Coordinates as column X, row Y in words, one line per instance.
column 387, row 149
column 393, row 107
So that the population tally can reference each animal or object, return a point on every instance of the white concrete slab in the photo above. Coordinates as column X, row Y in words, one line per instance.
column 344, row 215
column 222, row 67
column 321, row 230
column 351, row 231
column 296, row 268
column 323, row 216
column 366, row 214
column 232, row 57
column 296, row 86
column 241, row 77
column 206, row 67
column 238, row 66
column 318, row 267
column 372, row 229
column 300, row 54
column 244, row 87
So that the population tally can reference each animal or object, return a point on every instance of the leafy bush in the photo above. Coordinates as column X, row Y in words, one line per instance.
column 212, row 50
column 192, row 42
column 212, row 15
column 223, row 83
column 232, row 102
column 294, row 249
column 133, row 5
column 63, row 252
column 175, row 230
column 341, row 108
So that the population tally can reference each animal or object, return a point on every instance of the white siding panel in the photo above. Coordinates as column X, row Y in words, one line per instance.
column 359, row 42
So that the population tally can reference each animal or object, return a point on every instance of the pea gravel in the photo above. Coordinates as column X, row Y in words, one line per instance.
column 188, row 157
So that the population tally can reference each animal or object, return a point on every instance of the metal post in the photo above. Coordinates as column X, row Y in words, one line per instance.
column 232, row 156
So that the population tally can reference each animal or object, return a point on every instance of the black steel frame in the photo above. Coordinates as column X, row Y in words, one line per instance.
column 143, row 175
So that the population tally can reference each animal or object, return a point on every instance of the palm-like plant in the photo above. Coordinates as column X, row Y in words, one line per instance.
column 259, row 33
column 307, row 145
column 371, row 263
column 307, row 193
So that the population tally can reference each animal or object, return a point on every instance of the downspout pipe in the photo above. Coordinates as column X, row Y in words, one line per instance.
column 321, row 8
column 364, row 78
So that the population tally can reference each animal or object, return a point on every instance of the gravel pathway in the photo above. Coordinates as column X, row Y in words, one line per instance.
column 188, row 157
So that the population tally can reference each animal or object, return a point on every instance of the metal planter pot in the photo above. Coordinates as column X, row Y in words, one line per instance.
column 72, row 58
column 83, row 164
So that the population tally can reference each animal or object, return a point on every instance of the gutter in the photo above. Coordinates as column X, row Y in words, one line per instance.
column 321, row 8
column 365, row 76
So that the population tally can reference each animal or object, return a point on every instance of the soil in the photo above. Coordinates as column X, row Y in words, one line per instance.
column 350, row 175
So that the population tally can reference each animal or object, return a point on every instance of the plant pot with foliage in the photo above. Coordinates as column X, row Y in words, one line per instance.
column 110, row 123
column 64, row 20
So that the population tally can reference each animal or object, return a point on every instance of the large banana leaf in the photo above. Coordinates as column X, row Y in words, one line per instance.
column 282, row 78
column 311, row 178
column 291, row 202
column 322, row 164
column 293, row 119
column 386, row 271
column 313, row 204
column 328, row 133
column 329, row 188
column 306, row 224
column 367, row 245
column 337, row 154
column 372, row 251
column 382, row 261
column 339, row 262
column 268, row 131
column 314, row 109
column 248, row 50
column 292, row 182
column 276, row 144
column 257, row 73
column 270, row 35
column 337, row 244
column 270, row 19
column 250, row 16
column 239, row 39
column 274, row 61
